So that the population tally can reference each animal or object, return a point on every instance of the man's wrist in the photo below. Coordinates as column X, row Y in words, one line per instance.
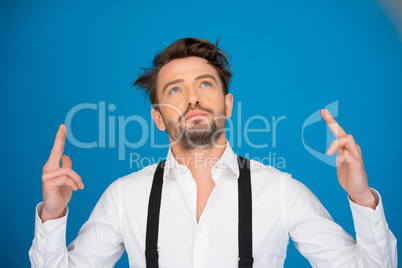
column 366, row 200
column 44, row 216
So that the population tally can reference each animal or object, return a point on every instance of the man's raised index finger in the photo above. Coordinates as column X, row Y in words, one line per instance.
column 332, row 124
column 58, row 148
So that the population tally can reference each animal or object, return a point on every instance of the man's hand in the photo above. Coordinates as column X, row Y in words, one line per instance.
column 349, row 164
column 58, row 182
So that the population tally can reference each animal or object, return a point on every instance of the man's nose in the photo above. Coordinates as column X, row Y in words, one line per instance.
column 193, row 98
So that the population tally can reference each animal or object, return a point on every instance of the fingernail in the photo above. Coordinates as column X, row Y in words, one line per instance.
column 60, row 127
column 82, row 186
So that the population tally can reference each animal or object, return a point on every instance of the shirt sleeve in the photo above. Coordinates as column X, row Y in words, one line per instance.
column 98, row 244
column 325, row 244
column 49, row 244
column 374, row 238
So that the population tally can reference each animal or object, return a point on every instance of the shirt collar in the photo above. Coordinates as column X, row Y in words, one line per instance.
column 228, row 161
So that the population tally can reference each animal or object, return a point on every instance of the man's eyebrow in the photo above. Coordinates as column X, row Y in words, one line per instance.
column 206, row 76
column 171, row 83
column 182, row 80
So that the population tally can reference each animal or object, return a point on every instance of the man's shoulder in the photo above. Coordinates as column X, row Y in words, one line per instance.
column 142, row 177
column 270, row 174
column 259, row 168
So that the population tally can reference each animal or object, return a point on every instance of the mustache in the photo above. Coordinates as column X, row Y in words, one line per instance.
column 195, row 107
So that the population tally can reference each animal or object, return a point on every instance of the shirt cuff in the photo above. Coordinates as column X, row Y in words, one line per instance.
column 50, row 236
column 370, row 224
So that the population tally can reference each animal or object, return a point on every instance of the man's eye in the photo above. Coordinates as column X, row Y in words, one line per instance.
column 205, row 84
column 174, row 90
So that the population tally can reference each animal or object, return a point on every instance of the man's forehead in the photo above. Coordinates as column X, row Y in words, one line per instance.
column 185, row 68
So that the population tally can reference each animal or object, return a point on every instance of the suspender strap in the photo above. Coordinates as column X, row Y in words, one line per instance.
column 154, row 205
column 245, row 215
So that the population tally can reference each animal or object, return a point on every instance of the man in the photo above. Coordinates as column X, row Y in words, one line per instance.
column 204, row 206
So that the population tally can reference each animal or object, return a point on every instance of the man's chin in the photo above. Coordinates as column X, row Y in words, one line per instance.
column 197, row 123
column 198, row 129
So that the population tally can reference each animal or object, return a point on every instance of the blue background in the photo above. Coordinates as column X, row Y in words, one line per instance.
column 290, row 58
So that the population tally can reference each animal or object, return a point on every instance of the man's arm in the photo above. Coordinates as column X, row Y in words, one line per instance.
column 58, row 183
column 324, row 242
column 99, row 242
column 374, row 239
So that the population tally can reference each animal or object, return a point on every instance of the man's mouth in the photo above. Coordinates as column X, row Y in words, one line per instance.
column 195, row 114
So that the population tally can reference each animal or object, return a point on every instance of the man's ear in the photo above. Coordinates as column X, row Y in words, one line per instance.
column 156, row 115
column 229, row 104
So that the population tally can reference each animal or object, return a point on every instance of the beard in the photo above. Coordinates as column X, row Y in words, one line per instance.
column 197, row 133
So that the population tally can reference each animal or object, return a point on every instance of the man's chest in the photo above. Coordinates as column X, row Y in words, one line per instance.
column 215, row 236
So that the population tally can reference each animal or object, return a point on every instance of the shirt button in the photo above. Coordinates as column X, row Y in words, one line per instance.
column 41, row 235
column 376, row 223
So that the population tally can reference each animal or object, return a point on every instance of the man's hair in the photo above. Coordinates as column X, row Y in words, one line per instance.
column 183, row 48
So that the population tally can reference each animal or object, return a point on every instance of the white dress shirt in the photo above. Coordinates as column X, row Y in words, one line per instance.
column 282, row 207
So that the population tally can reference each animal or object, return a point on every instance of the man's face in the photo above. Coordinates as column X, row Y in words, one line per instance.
column 193, row 109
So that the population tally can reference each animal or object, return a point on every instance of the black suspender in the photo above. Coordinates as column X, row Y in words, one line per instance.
column 245, row 216
column 154, row 205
